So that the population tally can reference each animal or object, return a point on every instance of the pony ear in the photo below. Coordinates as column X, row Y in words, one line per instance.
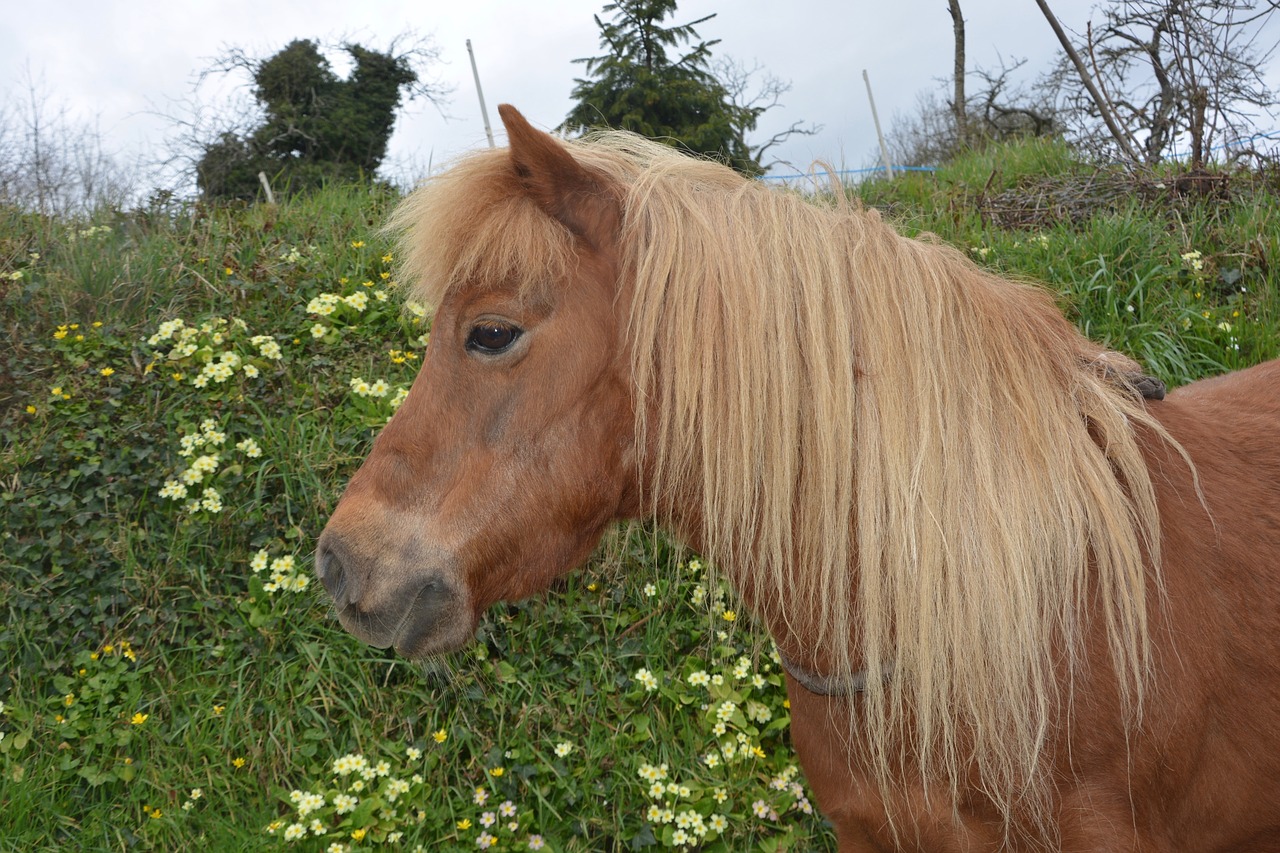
column 570, row 193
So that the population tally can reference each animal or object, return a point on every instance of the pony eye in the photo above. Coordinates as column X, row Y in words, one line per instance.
column 492, row 337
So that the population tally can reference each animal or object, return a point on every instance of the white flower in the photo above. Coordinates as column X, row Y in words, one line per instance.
column 211, row 500
column 324, row 304
column 173, row 490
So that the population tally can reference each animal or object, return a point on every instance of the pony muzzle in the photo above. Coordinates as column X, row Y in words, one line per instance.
column 416, row 606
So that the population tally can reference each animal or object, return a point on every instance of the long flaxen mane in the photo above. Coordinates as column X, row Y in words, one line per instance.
column 916, row 465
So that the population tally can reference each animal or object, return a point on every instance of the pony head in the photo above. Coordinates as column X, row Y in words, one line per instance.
column 514, row 449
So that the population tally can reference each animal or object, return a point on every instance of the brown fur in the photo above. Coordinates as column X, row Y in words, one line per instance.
column 894, row 456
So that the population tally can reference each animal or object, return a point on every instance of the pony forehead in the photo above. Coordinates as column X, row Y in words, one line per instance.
column 475, row 225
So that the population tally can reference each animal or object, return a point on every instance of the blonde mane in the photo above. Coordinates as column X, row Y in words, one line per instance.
column 912, row 463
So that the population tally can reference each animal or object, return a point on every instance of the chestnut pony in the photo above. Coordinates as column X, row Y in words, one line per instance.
column 1022, row 606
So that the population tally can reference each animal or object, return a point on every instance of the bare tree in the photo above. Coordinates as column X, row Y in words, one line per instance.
column 1165, row 73
column 998, row 108
column 757, row 91
column 52, row 162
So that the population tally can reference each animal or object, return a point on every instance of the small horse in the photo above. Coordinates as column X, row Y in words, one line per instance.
column 1022, row 604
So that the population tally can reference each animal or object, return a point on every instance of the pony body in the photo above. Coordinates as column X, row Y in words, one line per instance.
column 901, row 462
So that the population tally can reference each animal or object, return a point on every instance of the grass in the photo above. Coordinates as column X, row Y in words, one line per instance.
column 165, row 687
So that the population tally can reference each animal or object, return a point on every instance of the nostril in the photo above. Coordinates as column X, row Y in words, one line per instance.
column 326, row 562
column 330, row 571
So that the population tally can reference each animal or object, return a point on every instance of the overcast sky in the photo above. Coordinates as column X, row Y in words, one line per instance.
column 116, row 63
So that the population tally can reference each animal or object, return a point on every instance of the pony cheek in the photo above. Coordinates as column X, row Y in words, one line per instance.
column 530, row 568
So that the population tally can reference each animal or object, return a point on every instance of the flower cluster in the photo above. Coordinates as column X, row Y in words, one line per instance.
column 375, row 802
column 100, row 707
column 209, row 440
column 220, row 347
column 377, row 388
column 326, row 304
column 745, row 712
column 285, row 576
column 378, row 393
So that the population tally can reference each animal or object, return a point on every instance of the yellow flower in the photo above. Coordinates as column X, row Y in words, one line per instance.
column 155, row 813
column 139, row 719
column 106, row 371
column 69, row 699
column 358, row 834
column 60, row 334
column 440, row 736
column 357, row 244
column 592, row 586
column 237, row 762
column 386, row 259
column 97, row 324
column 230, row 271
column 465, row 823
column 218, row 709
column 728, row 616
column 31, row 410
column 497, row 771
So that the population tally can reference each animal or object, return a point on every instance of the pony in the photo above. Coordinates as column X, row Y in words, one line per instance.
column 1023, row 603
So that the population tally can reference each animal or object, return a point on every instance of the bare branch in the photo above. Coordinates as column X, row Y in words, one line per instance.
column 1121, row 137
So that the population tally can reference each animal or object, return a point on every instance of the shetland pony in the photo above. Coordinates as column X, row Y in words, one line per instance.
column 1022, row 605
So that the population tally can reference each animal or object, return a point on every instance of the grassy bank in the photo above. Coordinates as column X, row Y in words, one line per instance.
column 171, row 679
